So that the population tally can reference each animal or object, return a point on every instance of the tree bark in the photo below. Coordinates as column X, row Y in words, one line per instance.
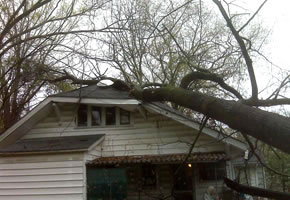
column 255, row 191
column 268, row 127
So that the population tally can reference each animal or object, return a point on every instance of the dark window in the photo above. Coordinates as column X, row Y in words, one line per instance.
column 149, row 176
column 212, row 171
column 110, row 116
column 242, row 175
column 106, row 183
column 96, row 116
column 83, row 115
column 124, row 117
column 183, row 179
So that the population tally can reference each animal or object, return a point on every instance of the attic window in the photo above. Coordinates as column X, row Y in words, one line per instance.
column 93, row 116
column 124, row 117
column 83, row 115
column 111, row 116
column 96, row 114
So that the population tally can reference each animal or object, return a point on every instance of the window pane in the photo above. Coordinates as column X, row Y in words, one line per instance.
column 212, row 171
column 124, row 117
column 96, row 116
column 83, row 115
column 106, row 183
column 110, row 116
column 149, row 176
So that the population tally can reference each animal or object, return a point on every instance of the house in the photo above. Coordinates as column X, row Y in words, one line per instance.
column 97, row 142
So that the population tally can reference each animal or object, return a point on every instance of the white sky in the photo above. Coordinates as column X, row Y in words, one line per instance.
column 276, row 15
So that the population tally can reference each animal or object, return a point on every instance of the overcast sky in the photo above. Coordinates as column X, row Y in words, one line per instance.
column 276, row 16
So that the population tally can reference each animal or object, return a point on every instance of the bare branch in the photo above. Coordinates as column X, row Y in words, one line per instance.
column 243, row 47
column 186, row 80
column 257, row 11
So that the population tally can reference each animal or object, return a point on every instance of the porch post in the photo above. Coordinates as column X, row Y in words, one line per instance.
column 194, row 171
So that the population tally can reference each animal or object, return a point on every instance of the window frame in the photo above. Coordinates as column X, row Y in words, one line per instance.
column 77, row 114
column 103, row 117
column 145, row 168
column 120, row 117
column 217, row 167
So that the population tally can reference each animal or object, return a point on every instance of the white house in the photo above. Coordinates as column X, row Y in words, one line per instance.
column 100, row 143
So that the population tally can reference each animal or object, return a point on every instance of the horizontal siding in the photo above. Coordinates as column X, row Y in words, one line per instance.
column 49, row 177
column 41, row 184
column 155, row 135
column 43, row 197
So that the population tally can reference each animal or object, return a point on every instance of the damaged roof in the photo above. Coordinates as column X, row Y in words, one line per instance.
column 51, row 144
column 96, row 92
column 154, row 159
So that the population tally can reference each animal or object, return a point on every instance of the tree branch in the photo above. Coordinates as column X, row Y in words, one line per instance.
column 243, row 47
column 258, row 123
column 255, row 191
column 257, row 11
column 208, row 76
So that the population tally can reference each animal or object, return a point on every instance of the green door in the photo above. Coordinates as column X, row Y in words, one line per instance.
column 106, row 184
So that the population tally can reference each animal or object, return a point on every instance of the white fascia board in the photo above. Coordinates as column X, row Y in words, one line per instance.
column 95, row 101
column 196, row 126
column 24, row 119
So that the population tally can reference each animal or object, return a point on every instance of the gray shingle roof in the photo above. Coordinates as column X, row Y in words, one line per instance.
column 96, row 92
column 52, row 144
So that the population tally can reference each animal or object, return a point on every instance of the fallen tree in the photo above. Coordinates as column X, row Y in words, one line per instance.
column 255, row 191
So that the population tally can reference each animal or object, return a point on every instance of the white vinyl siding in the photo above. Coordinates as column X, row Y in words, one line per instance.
column 45, row 177
column 63, row 176
column 155, row 135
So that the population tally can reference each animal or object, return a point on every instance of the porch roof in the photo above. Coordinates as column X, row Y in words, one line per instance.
column 52, row 144
column 159, row 159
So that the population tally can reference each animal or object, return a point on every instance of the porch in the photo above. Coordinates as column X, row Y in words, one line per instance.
column 155, row 177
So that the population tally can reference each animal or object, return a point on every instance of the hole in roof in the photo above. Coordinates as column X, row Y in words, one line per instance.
column 105, row 83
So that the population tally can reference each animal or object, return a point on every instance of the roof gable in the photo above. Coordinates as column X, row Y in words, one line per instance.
column 105, row 95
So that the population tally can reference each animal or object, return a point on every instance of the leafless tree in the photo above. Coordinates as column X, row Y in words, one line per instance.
column 241, row 112
column 37, row 39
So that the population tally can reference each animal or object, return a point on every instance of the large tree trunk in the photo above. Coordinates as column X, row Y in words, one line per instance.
column 268, row 127
column 255, row 191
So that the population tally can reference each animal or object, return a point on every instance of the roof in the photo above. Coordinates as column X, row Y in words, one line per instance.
column 96, row 92
column 154, row 159
column 51, row 144
column 107, row 95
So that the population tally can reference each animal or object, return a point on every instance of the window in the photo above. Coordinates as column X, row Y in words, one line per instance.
column 124, row 117
column 183, row 180
column 92, row 116
column 106, row 183
column 110, row 116
column 242, row 175
column 96, row 113
column 83, row 115
column 149, row 176
column 212, row 171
